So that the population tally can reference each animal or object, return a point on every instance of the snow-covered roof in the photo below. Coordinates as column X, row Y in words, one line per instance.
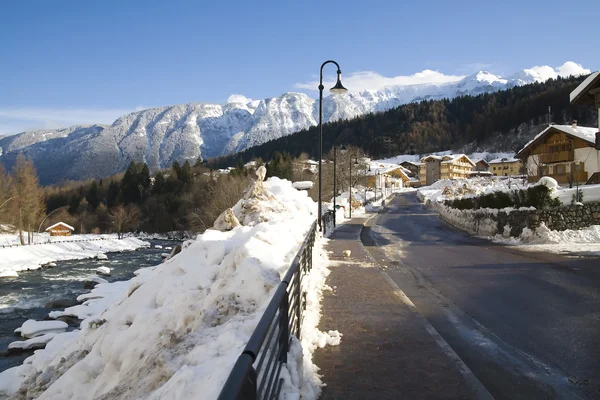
column 431, row 157
column 385, row 168
column 584, row 86
column 450, row 158
column 582, row 132
column 60, row 223
column 504, row 160
column 415, row 163
column 477, row 161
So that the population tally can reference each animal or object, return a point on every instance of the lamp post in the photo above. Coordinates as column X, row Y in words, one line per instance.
column 337, row 89
column 350, row 191
column 334, row 182
column 376, row 177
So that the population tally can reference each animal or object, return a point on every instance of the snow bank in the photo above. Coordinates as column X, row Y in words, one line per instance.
column 591, row 194
column 176, row 329
column 584, row 241
column 15, row 259
column 448, row 189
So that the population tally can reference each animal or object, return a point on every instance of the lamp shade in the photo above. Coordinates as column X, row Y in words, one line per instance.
column 338, row 88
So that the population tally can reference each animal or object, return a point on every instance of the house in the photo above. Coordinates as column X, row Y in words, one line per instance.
column 567, row 153
column 481, row 165
column 588, row 93
column 452, row 166
column 387, row 176
column 506, row 166
column 60, row 229
column 412, row 167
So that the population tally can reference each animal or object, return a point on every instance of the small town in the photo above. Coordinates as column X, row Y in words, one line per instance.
column 423, row 225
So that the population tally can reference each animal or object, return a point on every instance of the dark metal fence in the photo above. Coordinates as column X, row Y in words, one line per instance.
column 54, row 241
column 256, row 374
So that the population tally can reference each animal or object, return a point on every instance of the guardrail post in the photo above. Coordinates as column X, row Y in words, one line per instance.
column 284, row 334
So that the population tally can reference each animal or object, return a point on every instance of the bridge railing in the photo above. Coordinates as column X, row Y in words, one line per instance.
column 257, row 371
column 53, row 242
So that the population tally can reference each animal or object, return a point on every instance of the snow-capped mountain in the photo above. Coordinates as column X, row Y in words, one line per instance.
column 159, row 136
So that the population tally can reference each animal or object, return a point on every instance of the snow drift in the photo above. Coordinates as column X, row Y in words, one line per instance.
column 176, row 329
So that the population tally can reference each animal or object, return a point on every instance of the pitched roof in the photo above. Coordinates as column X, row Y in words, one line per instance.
column 504, row 160
column 481, row 160
column 581, row 132
column 450, row 158
column 578, row 95
column 59, row 223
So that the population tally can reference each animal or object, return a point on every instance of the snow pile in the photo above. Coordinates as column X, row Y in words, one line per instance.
column 20, row 258
column 584, row 241
column 176, row 329
column 447, row 189
column 590, row 193
column 32, row 328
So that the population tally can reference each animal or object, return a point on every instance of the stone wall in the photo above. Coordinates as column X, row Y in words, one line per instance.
column 489, row 222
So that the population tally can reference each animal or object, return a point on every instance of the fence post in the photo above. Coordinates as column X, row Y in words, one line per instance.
column 283, row 328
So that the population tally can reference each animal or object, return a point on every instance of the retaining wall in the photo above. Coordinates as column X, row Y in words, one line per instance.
column 511, row 222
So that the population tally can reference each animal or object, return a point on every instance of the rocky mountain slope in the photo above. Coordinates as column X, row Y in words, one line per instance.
column 159, row 136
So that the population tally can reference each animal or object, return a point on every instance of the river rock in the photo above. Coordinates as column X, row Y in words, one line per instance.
column 61, row 303
column 32, row 328
column 103, row 271
column 101, row 256
column 92, row 281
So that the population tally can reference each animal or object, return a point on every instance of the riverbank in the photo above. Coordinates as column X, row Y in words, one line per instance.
column 35, row 294
column 23, row 258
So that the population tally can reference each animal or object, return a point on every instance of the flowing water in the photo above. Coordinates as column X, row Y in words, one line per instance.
column 29, row 296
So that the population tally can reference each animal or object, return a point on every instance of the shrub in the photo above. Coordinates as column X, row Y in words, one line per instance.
column 536, row 196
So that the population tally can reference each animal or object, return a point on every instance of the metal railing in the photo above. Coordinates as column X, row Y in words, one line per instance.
column 53, row 241
column 256, row 373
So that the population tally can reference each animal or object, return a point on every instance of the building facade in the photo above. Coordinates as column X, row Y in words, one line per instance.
column 506, row 167
column 567, row 153
column 452, row 166
column 60, row 229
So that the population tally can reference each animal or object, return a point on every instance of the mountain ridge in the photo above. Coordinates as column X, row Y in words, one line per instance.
column 161, row 135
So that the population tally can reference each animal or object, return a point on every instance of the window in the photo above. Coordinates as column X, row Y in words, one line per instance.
column 560, row 169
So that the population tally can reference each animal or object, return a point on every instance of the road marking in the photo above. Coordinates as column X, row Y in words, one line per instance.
column 472, row 381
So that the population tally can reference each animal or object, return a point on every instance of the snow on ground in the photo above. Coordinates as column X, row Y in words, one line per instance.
column 590, row 193
column 176, row 329
column 571, row 242
column 19, row 258
column 447, row 189
column 32, row 328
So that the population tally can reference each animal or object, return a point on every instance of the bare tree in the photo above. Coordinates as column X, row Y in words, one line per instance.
column 28, row 205
column 124, row 218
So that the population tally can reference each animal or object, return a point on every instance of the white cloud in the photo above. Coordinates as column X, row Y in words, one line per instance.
column 238, row 98
column 544, row 72
column 15, row 120
column 370, row 80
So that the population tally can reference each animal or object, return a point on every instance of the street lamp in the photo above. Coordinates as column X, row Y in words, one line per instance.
column 337, row 89
column 350, row 191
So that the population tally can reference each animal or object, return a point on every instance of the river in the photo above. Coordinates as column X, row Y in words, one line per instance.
column 29, row 295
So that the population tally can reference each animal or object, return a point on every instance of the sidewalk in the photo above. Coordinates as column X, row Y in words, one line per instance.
column 386, row 351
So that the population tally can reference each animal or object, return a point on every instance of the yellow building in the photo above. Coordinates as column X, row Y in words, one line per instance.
column 452, row 166
column 506, row 167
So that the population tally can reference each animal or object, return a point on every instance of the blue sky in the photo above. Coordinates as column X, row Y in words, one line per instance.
column 82, row 61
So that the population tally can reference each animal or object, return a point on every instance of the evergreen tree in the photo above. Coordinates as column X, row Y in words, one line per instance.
column 92, row 195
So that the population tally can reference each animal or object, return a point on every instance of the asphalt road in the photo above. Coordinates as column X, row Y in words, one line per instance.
column 526, row 324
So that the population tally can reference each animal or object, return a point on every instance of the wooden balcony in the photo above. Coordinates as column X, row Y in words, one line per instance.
column 563, row 179
column 561, row 156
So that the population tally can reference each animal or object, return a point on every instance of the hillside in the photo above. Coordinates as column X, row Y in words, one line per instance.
column 160, row 136
column 500, row 121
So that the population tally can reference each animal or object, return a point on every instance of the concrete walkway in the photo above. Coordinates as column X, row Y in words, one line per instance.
column 386, row 351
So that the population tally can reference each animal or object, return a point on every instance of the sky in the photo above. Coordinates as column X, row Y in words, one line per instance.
column 66, row 62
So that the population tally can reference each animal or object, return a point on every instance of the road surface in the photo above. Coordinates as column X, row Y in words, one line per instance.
column 526, row 324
